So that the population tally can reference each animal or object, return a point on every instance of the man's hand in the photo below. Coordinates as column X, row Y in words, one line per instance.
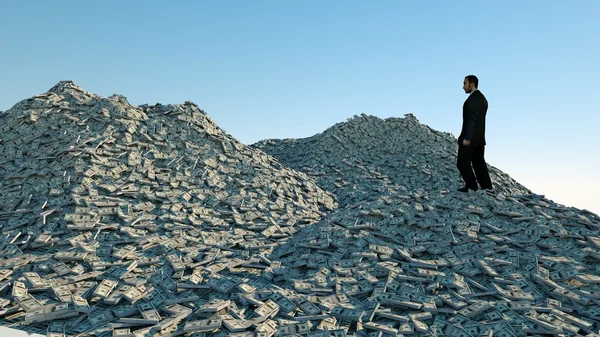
column 466, row 142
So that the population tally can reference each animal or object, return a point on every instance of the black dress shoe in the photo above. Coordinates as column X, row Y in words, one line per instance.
column 465, row 189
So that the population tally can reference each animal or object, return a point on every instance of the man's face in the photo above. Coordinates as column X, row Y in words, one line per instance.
column 467, row 86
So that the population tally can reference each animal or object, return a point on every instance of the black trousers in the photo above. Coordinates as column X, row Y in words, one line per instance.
column 474, row 155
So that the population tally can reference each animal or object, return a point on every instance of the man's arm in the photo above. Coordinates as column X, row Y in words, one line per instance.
column 473, row 112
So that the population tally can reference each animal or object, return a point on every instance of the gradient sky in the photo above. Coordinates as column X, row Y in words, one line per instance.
column 289, row 69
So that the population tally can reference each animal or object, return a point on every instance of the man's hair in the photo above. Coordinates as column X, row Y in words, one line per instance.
column 473, row 79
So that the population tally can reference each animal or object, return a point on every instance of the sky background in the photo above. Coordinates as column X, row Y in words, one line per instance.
column 291, row 69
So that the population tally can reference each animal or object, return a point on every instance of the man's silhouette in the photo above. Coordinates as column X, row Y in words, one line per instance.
column 471, row 142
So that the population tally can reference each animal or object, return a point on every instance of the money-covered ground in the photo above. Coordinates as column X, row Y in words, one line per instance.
column 121, row 220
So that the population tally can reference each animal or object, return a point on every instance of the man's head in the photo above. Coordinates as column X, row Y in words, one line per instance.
column 470, row 83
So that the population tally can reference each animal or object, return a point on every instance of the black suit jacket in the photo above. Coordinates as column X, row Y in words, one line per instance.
column 473, row 127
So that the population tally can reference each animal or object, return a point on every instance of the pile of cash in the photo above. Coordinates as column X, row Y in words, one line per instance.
column 366, row 157
column 134, row 221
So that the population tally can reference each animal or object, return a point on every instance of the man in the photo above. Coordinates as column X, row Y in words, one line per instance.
column 471, row 142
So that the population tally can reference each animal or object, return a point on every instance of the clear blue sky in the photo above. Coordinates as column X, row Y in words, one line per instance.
column 288, row 69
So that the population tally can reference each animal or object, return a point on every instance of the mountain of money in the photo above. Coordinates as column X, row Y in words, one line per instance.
column 414, row 256
column 121, row 220
column 366, row 157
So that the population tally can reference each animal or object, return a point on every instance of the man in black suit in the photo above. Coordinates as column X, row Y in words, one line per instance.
column 471, row 142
